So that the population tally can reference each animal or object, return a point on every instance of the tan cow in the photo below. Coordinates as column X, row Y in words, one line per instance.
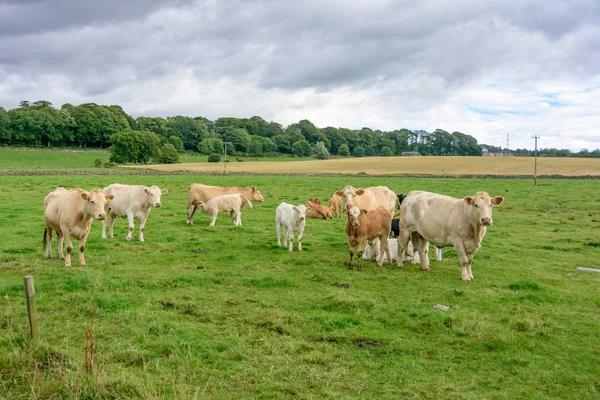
column 231, row 203
column 70, row 213
column 203, row 193
column 335, row 205
column 369, row 198
column 367, row 225
column 445, row 221
column 131, row 201
column 317, row 211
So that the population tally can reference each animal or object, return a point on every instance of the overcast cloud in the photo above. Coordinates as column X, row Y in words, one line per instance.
column 483, row 67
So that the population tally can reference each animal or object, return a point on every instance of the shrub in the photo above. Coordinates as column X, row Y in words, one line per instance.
column 98, row 162
column 386, row 151
column 214, row 157
column 168, row 154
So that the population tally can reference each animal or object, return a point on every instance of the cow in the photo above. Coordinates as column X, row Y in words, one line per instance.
column 335, row 205
column 203, row 193
column 317, row 211
column 131, row 201
column 292, row 219
column 411, row 254
column 231, row 203
column 366, row 225
column 446, row 221
column 369, row 198
column 70, row 213
column 372, row 252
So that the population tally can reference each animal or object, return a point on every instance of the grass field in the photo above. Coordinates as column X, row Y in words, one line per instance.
column 222, row 312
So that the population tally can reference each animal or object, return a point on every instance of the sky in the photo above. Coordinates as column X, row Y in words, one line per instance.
column 487, row 68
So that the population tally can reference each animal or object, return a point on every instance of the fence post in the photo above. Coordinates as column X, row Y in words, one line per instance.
column 34, row 328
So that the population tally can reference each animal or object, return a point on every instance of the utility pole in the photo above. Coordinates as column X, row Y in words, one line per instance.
column 225, row 157
column 536, row 137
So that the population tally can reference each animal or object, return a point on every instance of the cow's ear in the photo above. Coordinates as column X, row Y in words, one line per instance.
column 363, row 212
column 294, row 208
column 345, row 211
column 84, row 195
column 497, row 200
column 359, row 192
column 339, row 193
column 469, row 200
column 146, row 190
column 164, row 191
column 254, row 189
column 109, row 197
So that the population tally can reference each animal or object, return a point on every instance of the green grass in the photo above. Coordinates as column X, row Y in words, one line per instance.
column 222, row 312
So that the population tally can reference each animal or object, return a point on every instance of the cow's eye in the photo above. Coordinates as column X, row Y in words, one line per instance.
column 476, row 206
column 92, row 201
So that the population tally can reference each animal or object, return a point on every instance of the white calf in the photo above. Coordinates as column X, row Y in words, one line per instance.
column 293, row 219
column 231, row 203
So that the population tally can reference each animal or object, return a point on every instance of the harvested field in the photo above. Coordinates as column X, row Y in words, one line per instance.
column 435, row 166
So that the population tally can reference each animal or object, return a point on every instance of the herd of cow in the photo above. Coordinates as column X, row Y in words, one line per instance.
column 424, row 218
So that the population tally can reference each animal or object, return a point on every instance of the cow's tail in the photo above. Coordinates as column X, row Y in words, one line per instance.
column 248, row 201
column 44, row 240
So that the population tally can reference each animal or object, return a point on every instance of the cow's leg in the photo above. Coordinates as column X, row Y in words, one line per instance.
column 351, row 246
column 111, row 225
column 82, row 243
column 213, row 219
column 278, row 226
column 104, row 228
column 60, row 239
column 438, row 253
column 423, row 248
column 360, row 250
column 469, row 271
column 464, row 260
column 67, row 238
column 413, row 246
column 48, row 241
column 190, row 214
column 385, row 247
column 142, row 222
column 403, row 238
column 300, row 233
column 291, row 238
column 285, row 235
column 131, row 226
column 238, row 217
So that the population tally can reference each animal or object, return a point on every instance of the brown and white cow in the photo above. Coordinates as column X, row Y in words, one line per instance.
column 70, row 213
column 369, row 198
column 317, row 211
column 446, row 221
column 199, row 193
column 366, row 225
column 335, row 205
column 131, row 201
column 231, row 203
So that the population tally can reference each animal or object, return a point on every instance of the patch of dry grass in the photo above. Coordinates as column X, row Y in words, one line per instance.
column 437, row 166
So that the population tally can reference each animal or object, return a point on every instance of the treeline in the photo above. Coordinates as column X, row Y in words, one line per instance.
column 143, row 139
column 552, row 152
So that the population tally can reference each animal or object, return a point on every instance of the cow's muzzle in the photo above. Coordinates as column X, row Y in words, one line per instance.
column 158, row 205
column 486, row 221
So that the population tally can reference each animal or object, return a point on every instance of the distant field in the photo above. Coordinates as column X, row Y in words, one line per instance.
column 437, row 166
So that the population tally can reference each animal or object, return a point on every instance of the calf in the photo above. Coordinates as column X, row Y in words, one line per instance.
column 131, row 201
column 231, row 203
column 411, row 254
column 367, row 225
column 372, row 250
column 70, row 213
column 203, row 193
column 292, row 219
column 317, row 211
column 446, row 221
column 335, row 205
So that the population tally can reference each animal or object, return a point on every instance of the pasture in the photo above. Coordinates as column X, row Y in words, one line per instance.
column 222, row 312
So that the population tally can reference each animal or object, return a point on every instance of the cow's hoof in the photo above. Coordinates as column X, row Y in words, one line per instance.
column 128, row 239
column 82, row 264
column 67, row 265
column 62, row 258
column 141, row 240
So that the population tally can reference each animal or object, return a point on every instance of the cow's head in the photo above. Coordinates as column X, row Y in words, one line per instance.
column 201, row 206
column 349, row 193
column 95, row 202
column 301, row 211
column 153, row 194
column 255, row 195
column 481, row 207
column 354, row 214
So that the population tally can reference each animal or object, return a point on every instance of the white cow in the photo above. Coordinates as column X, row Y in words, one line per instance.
column 372, row 250
column 446, row 221
column 131, row 201
column 231, row 203
column 293, row 219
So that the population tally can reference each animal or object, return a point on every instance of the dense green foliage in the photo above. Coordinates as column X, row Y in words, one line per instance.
column 222, row 312
column 214, row 157
column 168, row 154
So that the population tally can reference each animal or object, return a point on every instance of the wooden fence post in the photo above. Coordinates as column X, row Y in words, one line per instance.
column 34, row 328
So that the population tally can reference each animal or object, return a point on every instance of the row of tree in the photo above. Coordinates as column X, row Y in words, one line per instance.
column 551, row 152
column 142, row 138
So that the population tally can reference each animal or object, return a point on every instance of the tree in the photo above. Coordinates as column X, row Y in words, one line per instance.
column 336, row 138
column 238, row 137
column 359, row 151
column 210, row 145
column 343, row 150
column 320, row 151
column 5, row 134
column 189, row 130
column 386, row 151
column 134, row 146
column 168, row 154
column 283, row 143
column 176, row 143
column 301, row 148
